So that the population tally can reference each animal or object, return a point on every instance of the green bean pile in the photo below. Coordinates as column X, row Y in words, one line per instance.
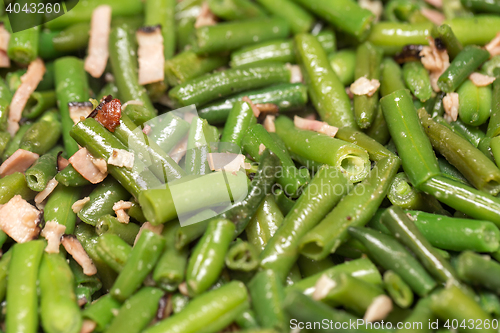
column 367, row 136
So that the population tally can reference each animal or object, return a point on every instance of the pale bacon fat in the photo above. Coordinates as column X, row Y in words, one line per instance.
column 261, row 148
column 206, row 17
column 20, row 220
column 150, row 55
column 435, row 61
column 51, row 185
column 226, row 161
column 148, row 226
column 73, row 247
column 435, row 3
column 20, row 161
column 315, row 125
column 29, row 82
column 481, row 80
column 493, row 47
column 323, row 287
column 451, row 103
column 295, row 73
column 267, row 107
column 79, row 110
column 61, row 163
column 53, row 232
column 433, row 15
column 146, row 129
column 100, row 26
column 4, row 43
column 363, row 86
column 121, row 158
column 79, row 204
column 119, row 208
column 88, row 326
column 83, row 162
column 255, row 109
column 269, row 124
column 380, row 307
column 374, row 6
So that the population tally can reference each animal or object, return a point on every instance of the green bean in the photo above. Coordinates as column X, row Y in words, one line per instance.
column 141, row 262
column 70, row 177
column 264, row 223
column 417, row 80
column 229, row 36
column 414, row 148
column 450, row 171
column 468, row 60
column 478, row 270
column 13, row 144
column 185, row 32
column 489, row 302
column 113, row 250
column 464, row 28
column 233, row 10
column 343, row 63
column 287, row 97
column 368, row 60
column 355, row 209
column 101, row 143
column 489, row 66
column 137, row 311
column 122, row 57
column 139, row 114
column 326, row 91
column 404, row 230
column 473, row 134
column 419, row 319
column 391, row 77
column 14, row 184
column 379, row 130
column 475, row 103
column 22, row 311
column 101, row 311
column 345, row 15
column 298, row 18
column 179, row 302
column 43, row 170
column 444, row 305
column 47, row 82
column 482, row 6
column 242, row 256
column 201, row 136
column 390, row 254
column 190, row 232
column 208, row 87
column 474, row 165
column 107, row 224
column 73, row 38
column 399, row 291
column 321, row 148
column 23, row 45
column 169, row 132
column 207, row 259
column 453, row 45
column 170, row 269
column 46, row 48
column 59, row 311
column 39, row 102
column 494, row 123
column 162, row 12
column 268, row 293
column 240, row 119
column 5, row 92
column 392, row 36
column 58, row 207
column 188, row 65
column 309, row 267
column 71, row 86
column 322, row 194
column 4, row 113
column 247, row 320
column 4, row 271
column 211, row 311
column 43, row 135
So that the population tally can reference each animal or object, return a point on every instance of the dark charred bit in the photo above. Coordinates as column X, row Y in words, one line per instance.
column 149, row 29
column 108, row 113
column 409, row 53
column 439, row 44
column 69, row 236
column 349, row 218
column 262, row 116
column 164, row 307
column 251, row 175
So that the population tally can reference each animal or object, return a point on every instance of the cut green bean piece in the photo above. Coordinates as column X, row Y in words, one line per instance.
column 399, row 291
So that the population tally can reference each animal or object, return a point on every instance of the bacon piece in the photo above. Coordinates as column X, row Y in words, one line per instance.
column 79, row 110
column 322, row 287
column 378, row 310
column 267, row 107
column 148, row 226
column 20, row 161
column 20, row 220
column 376, row 7
column 451, row 103
column 88, row 326
column 262, row 147
column 119, row 208
column 295, row 73
column 255, row 109
column 53, row 233
column 269, row 124
column 29, row 82
column 73, row 247
column 100, row 27
column 146, row 129
column 481, row 80
column 433, row 15
column 79, row 204
column 315, row 125
column 51, row 185
column 227, row 161
column 206, row 17
column 108, row 113
column 435, row 60
column 493, row 47
column 4, row 43
column 150, row 55
column 121, row 158
column 61, row 162
column 363, row 86
column 83, row 162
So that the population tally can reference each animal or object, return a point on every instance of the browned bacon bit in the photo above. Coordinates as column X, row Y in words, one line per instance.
column 206, row 17
column 164, row 307
column 77, row 110
column 409, row 53
column 109, row 114
column 255, row 109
